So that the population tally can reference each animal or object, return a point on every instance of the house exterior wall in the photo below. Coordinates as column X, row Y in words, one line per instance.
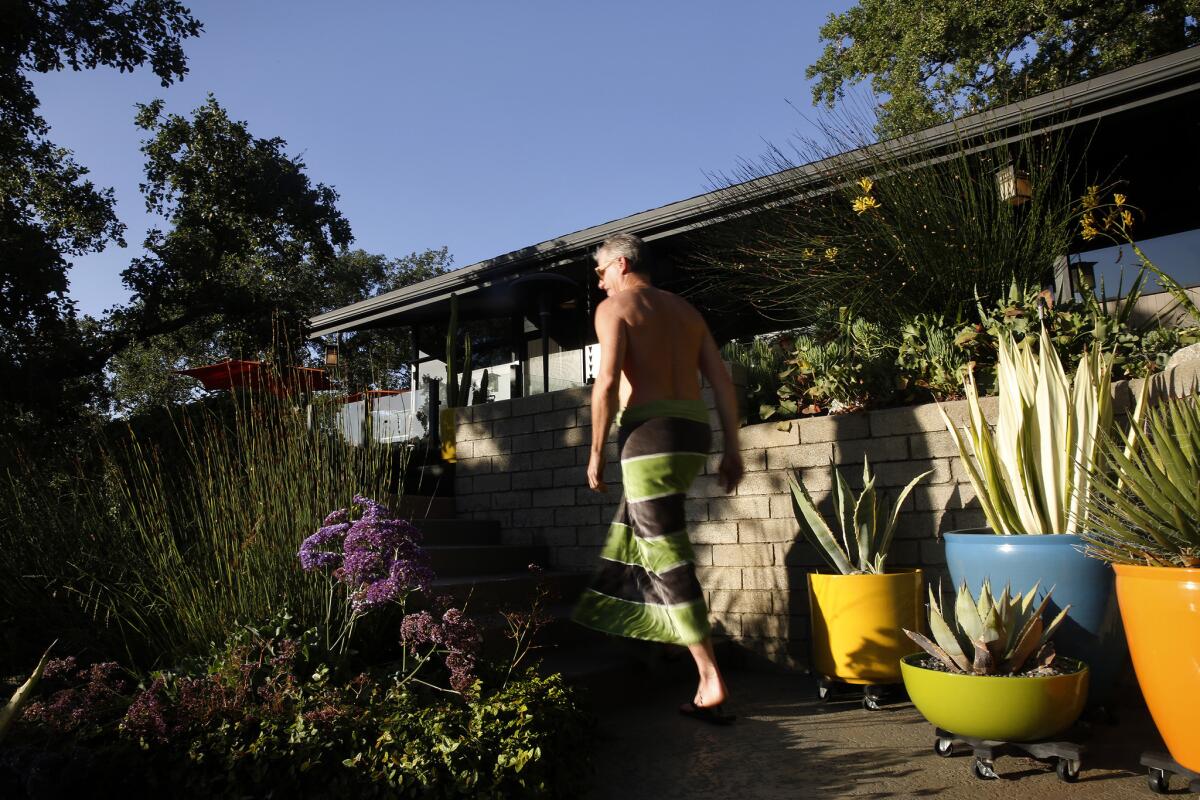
column 523, row 462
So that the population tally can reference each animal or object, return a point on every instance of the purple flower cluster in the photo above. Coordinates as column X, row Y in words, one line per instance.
column 146, row 716
column 378, row 557
column 87, row 695
column 455, row 634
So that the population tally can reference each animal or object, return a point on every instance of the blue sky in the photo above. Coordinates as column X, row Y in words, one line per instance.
column 484, row 127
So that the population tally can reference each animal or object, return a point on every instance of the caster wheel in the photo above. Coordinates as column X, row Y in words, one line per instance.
column 984, row 769
column 1158, row 781
column 824, row 691
column 943, row 747
column 871, row 699
column 1067, row 769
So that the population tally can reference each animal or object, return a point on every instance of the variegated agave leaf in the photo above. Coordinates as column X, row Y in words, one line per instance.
column 933, row 650
column 10, row 710
column 966, row 614
column 945, row 636
column 815, row 528
column 985, row 661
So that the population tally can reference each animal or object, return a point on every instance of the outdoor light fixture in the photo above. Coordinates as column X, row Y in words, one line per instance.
column 1014, row 185
column 331, row 355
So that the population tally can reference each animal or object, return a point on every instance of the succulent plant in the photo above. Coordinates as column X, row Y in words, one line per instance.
column 865, row 538
column 1147, row 509
column 1000, row 635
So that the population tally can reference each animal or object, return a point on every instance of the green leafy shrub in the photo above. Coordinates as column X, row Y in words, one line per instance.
column 264, row 715
column 930, row 359
column 763, row 360
column 844, row 364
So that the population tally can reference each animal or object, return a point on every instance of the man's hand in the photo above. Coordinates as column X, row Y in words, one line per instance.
column 596, row 473
column 730, row 471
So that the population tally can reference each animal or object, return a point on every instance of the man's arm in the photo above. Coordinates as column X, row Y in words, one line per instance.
column 610, row 332
column 713, row 369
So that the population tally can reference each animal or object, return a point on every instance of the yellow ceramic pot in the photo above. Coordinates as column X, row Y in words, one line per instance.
column 1006, row 709
column 857, row 622
column 1160, row 607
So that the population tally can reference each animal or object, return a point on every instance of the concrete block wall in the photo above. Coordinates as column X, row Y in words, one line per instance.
column 523, row 462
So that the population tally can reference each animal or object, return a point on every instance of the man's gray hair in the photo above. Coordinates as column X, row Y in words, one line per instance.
column 624, row 245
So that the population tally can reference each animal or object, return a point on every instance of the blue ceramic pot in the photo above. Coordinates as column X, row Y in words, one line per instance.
column 1092, row 631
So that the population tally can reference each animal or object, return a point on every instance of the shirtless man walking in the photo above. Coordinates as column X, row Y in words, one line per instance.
column 653, row 347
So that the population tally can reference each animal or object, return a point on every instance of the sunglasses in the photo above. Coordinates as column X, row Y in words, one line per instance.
column 600, row 269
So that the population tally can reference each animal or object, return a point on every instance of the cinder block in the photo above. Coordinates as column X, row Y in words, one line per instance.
column 491, row 447
column 921, row 524
column 462, row 415
column 751, row 531
column 743, row 555
column 798, row 554
column 501, row 482
column 470, row 431
column 511, row 462
column 765, row 626
column 725, row 578
column 513, row 426
column 768, row 434
column 841, row 427
column 703, row 554
column 527, row 443
column 729, row 625
column 592, row 534
column 713, row 532
column 706, row 486
column 533, row 517
column 573, row 437
column 767, row 482
column 572, row 398
column 556, row 537
column 464, row 450
column 584, row 496
column 739, row 508
column 926, row 418
column 722, row 601
column 491, row 411
column 802, row 455
column 887, row 448
column 469, row 467
column 537, row 479
column 554, row 497
column 934, row 444
column 466, row 503
column 534, row 404
column 933, row 553
column 771, row 578
column 552, row 420
column 577, row 515
column 899, row 473
column 695, row 510
column 942, row 497
column 510, row 500
column 904, row 553
column 553, row 458
column 968, row 519
column 781, row 507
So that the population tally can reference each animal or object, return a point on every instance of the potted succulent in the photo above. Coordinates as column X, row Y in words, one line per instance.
column 995, row 675
column 859, row 612
column 1145, row 521
column 1033, row 475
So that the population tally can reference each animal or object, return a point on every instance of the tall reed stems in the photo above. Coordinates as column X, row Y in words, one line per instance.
column 167, row 544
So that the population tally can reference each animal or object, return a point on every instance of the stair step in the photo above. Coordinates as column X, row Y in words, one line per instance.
column 420, row 507
column 451, row 560
column 459, row 531
column 515, row 590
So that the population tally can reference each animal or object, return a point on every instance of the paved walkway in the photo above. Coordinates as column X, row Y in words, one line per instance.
column 786, row 744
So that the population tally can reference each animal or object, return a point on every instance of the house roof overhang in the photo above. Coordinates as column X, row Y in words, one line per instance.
column 486, row 287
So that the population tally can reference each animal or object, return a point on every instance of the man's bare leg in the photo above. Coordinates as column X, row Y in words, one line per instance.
column 711, row 691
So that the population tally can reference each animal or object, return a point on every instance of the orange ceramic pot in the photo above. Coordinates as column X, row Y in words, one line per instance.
column 1160, row 607
column 857, row 621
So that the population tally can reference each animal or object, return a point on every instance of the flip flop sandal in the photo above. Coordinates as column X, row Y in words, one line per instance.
column 713, row 715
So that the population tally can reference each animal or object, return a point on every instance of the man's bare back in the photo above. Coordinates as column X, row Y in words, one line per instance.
column 664, row 334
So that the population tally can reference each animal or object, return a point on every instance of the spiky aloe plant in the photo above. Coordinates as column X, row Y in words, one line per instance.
column 1147, row 510
column 1033, row 474
column 999, row 634
column 864, row 546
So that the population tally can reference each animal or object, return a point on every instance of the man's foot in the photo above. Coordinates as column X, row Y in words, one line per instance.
column 713, row 715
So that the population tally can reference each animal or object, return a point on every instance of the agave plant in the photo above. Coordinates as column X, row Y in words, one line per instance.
column 865, row 543
column 1035, row 472
column 1001, row 635
column 1147, row 510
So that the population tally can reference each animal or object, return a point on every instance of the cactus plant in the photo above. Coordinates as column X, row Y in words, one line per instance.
column 860, row 517
column 1001, row 635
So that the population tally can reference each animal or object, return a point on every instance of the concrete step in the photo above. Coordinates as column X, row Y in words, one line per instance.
column 459, row 531
column 516, row 590
column 451, row 560
column 419, row 507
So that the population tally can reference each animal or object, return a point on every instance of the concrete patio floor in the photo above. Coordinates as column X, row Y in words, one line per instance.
column 788, row 744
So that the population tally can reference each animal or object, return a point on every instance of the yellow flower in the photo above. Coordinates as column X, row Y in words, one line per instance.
column 1091, row 198
column 808, row 253
column 1119, row 199
column 830, row 253
column 1127, row 219
column 866, row 184
column 865, row 203
column 1089, row 231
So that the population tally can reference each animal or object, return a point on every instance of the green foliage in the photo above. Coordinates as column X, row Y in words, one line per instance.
column 930, row 358
column 762, row 360
column 1001, row 634
column 157, row 548
column 866, row 538
column 844, row 364
column 934, row 63
column 263, row 715
column 878, row 234
column 1145, row 508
